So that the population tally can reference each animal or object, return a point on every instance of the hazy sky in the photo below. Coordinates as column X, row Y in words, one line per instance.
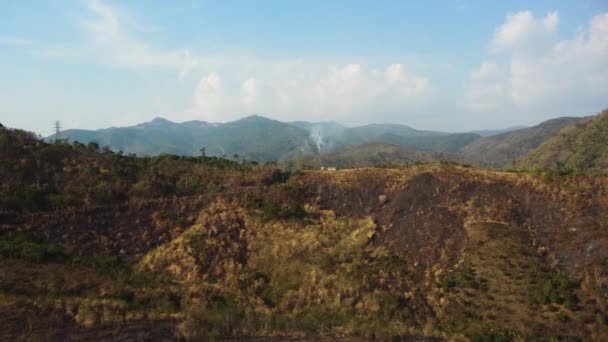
column 440, row 65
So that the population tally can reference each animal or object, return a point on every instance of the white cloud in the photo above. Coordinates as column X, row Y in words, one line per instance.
column 209, row 97
column 351, row 93
column 250, row 90
column 355, row 91
column 485, row 97
column 486, row 71
column 540, row 73
column 111, row 38
column 486, row 91
column 522, row 32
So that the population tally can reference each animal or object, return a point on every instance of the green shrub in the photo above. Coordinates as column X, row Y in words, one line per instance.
column 107, row 265
column 463, row 278
column 557, row 289
column 31, row 198
column 504, row 335
column 560, row 316
column 218, row 319
column 24, row 247
column 272, row 211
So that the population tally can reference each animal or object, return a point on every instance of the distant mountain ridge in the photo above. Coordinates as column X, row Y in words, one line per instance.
column 261, row 139
column 253, row 137
column 258, row 138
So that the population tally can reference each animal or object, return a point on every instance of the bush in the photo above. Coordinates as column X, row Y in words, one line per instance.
column 218, row 319
column 272, row 211
column 108, row 265
column 24, row 247
column 505, row 335
column 558, row 289
column 463, row 278
column 30, row 198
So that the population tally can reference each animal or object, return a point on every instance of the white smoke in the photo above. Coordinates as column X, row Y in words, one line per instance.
column 326, row 136
column 317, row 138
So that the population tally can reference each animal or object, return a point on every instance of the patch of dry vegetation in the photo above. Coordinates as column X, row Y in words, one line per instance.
column 320, row 275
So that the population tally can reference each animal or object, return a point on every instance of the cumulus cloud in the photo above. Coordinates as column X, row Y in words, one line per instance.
column 486, row 71
column 522, row 32
column 258, row 96
column 250, row 90
column 352, row 93
column 208, row 97
column 541, row 73
column 355, row 90
column 486, row 91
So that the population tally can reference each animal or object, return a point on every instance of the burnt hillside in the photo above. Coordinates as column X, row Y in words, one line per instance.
column 96, row 245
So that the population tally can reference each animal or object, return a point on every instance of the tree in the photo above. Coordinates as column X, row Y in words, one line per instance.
column 93, row 146
column 203, row 152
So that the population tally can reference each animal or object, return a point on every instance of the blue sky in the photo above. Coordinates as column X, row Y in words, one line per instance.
column 452, row 66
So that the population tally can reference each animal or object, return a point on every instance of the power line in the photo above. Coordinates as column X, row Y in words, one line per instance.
column 57, row 126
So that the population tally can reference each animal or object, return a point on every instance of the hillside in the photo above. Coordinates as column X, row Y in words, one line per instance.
column 365, row 155
column 257, row 138
column 36, row 175
column 99, row 246
column 583, row 147
column 401, row 135
column 150, row 138
column 503, row 149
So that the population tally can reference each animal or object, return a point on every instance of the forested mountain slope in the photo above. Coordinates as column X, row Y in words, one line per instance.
column 583, row 147
column 503, row 149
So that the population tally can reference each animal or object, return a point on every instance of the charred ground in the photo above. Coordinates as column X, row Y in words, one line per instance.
column 97, row 245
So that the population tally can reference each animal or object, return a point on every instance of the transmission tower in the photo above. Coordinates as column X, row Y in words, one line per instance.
column 57, row 126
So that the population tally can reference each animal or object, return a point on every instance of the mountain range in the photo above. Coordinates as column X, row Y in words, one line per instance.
column 257, row 138
column 253, row 137
column 261, row 139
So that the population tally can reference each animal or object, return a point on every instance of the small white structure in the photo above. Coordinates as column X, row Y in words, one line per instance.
column 328, row 168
